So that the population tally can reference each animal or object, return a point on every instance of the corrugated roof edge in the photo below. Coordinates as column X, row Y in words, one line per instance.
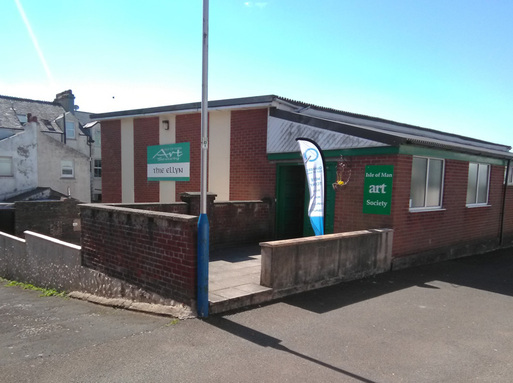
column 378, row 119
column 269, row 99
column 188, row 106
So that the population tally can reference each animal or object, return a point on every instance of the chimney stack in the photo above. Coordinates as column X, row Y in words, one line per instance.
column 67, row 100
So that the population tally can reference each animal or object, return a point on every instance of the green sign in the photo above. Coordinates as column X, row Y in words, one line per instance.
column 377, row 189
column 169, row 162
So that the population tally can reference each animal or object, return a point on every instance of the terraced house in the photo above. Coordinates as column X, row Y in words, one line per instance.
column 48, row 150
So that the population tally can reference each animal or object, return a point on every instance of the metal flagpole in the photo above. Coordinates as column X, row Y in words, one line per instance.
column 203, row 225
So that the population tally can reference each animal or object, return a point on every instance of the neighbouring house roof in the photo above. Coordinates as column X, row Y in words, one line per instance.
column 83, row 117
column 46, row 113
column 37, row 194
column 370, row 131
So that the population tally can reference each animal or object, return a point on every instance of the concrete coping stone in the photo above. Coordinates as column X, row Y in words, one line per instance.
column 54, row 240
column 192, row 194
column 146, row 213
column 10, row 236
column 239, row 202
column 321, row 238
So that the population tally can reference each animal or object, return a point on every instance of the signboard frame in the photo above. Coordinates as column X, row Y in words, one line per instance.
column 169, row 162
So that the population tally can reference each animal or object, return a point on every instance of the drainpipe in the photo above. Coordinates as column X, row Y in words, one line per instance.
column 90, row 142
column 503, row 217
column 64, row 124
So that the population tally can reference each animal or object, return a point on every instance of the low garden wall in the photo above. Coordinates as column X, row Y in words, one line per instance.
column 241, row 222
column 50, row 263
column 155, row 251
column 311, row 262
column 57, row 219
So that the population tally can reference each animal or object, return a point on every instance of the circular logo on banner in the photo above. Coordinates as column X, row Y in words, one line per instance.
column 311, row 155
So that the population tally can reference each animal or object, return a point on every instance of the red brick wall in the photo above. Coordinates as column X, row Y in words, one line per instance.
column 241, row 222
column 252, row 176
column 422, row 231
column 111, row 160
column 457, row 224
column 188, row 129
column 349, row 198
column 146, row 133
column 155, row 251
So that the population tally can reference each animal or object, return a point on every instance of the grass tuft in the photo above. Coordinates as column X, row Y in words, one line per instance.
column 27, row 286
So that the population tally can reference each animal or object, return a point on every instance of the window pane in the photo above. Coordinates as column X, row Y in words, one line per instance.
column 418, row 182
column 434, row 183
column 482, row 188
column 5, row 166
column 66, row 168
column 70, row 129
column 472, row 183
column 97, row 168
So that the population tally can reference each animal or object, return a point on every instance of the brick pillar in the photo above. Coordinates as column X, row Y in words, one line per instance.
column 193, row 200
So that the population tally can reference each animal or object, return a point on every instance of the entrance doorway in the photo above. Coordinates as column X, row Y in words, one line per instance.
column 292, row 199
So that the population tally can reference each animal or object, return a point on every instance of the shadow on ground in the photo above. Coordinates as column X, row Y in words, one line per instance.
column 236, row 254
column 490, row 272
column 264, row 340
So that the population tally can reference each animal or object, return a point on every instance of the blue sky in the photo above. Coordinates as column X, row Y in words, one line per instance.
column 445, row 65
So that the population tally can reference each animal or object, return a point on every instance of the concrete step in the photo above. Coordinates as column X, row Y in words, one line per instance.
column 238, row 297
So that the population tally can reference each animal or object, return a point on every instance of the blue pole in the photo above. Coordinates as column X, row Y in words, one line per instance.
column 203, row 250
column 203, row 226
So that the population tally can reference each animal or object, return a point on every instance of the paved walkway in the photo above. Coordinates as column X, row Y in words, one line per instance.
column 234, row 279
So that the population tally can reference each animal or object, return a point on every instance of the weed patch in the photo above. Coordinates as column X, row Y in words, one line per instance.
column 27, row 286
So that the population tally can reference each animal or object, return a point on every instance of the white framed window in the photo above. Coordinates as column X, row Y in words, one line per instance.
column 478, row 184
column 67, row 169
column 97, row 168
column 70, row 129
column 6, row 167
column 426, row 190
column 509, row 174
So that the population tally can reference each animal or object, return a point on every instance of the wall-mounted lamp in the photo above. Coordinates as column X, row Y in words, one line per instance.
column 165, row 123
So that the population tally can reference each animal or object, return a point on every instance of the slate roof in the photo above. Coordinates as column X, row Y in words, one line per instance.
column 46, row 113
column 37, row 194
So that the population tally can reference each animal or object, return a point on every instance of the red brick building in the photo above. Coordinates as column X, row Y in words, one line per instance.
column 449, row 195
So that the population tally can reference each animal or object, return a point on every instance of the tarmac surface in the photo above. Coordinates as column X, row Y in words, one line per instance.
column 448, row 322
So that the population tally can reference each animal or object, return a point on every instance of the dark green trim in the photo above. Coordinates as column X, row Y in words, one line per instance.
column 449, row 155
column 337, row 153
column 411, row 150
